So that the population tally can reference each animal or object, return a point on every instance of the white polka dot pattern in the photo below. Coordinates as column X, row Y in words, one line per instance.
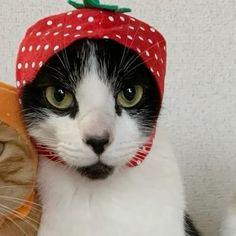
column 111, row 18
column 38, row 34
column 56, row 48
column 90, row 19
column 54, row 33
column 78, row 27
column 49, row 22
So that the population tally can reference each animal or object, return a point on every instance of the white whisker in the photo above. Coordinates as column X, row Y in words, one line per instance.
column 20, row 200
column 28, row 219
column 20, row 228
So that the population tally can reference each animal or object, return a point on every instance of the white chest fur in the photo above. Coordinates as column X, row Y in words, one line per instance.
column 145, row 200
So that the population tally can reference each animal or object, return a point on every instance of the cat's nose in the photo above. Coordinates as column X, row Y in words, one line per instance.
column 98, row 143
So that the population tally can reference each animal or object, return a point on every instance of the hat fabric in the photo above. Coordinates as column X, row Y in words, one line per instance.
column 54, row 33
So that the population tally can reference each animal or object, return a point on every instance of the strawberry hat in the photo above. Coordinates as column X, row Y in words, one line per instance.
column 94, row 21
column 90, row 20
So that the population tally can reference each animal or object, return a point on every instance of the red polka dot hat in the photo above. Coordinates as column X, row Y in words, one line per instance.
column 90, row 20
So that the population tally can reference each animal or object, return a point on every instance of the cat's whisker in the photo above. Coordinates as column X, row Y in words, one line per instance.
column 127, row 147
column 140, row 64
column 68, row 67
column 133, row 142
column 13, row 222
column 56, row 70
column 27, row 219
column 45, row 144
column 130, row 46
column 55, row 161
column 64, row 146
column 65, row 58
column 52, row 139
column 49, row 146
column 138, row 143
column 136, row 57
column 15, row 185
column 20, row 200
column 56, row 53
column 125, row 51
column 48, row 138
column 33, row 209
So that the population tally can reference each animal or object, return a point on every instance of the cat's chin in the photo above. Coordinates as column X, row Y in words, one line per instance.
column 97, row 171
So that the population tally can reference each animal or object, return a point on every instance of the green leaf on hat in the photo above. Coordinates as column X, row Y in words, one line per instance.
column 96, row 4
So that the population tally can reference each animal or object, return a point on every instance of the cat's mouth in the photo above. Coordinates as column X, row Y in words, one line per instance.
column 96, row 171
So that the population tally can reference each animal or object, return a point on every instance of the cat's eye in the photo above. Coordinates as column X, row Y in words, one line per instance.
column 59, row 97
column 130, row 96
column 1, row 148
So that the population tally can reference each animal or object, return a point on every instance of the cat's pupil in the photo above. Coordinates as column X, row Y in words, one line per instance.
column 129, row 93
column 59, row 94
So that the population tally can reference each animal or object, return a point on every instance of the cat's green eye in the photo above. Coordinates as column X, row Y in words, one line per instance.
column 130, row 96
column 1, row 148
column 59, row 97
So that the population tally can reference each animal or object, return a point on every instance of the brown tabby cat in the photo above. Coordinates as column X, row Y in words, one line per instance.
column 16, row 176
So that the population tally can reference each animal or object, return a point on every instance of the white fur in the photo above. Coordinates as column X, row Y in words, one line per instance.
column 145, row 200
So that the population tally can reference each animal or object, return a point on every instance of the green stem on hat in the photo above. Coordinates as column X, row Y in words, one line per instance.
column 96, row 4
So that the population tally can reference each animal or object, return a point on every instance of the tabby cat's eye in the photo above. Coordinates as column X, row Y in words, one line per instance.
column 130, row 96
column 1, row 148
column 59, row 97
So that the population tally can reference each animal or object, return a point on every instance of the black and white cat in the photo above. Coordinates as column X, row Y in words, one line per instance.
column 94, row 114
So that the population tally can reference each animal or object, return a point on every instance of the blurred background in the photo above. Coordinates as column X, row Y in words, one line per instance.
column 200, row 97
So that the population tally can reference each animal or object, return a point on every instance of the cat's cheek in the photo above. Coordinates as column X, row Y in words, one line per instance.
column 127, row 131
column 44, row 132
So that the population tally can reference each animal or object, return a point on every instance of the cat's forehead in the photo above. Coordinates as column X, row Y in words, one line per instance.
column 84, row 60
column 94, row 91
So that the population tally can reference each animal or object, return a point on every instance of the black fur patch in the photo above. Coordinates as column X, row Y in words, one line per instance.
column 124, row 68
column 96, row 171
column 190, row 229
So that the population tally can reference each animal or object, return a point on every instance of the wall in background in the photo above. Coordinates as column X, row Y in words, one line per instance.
column 200, row 99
